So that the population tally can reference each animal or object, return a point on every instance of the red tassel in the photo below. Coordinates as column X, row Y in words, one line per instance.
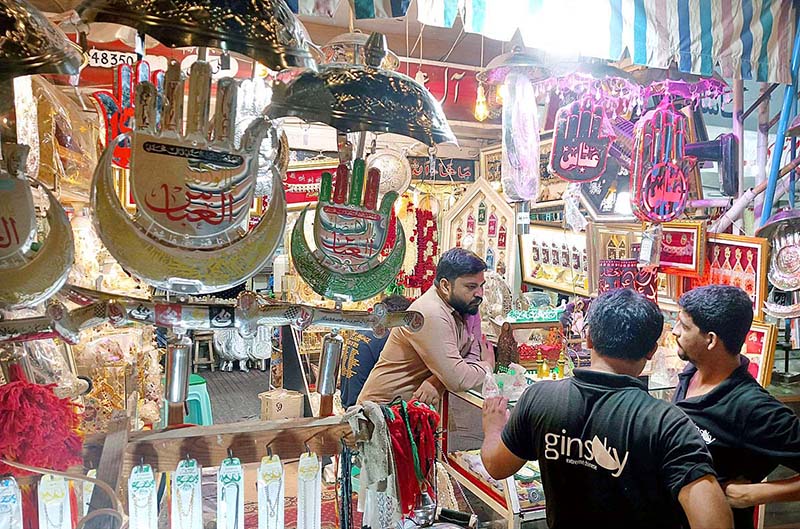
column 37, row 428
column 30, row 506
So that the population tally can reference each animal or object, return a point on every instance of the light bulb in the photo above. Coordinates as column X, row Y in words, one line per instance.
column 501, row 93
column 481, row 106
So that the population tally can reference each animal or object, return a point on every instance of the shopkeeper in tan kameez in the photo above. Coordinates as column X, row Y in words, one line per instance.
column 449, row 352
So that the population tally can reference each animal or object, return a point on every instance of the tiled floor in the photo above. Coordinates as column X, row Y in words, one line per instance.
column 234, row 394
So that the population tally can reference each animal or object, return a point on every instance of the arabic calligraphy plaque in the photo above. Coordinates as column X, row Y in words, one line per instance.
column 189, row 192
column 659, row 187
column 625, row 273
column 581, row 142
column 449, row 170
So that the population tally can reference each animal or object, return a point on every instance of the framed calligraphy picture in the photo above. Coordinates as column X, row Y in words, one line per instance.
column 301, row 183
column 554, row 258
column 482, row 221
column 683, row 248
column 448, row 170
column 491, row 162
column 615, row 241
column 759, row 348
column 735, row 260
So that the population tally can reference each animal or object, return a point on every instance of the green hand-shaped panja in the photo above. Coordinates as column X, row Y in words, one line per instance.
column 194, row 189
column 349, row 230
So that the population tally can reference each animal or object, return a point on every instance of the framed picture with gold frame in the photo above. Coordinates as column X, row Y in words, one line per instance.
column 735, row 260
column 683, row 248
column 622, row 241
column 759, row 348
column 554, row 258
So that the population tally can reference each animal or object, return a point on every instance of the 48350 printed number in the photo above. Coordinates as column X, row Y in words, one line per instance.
column 110, row 59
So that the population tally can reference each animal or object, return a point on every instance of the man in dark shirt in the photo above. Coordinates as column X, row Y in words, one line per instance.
column 610, row 454
column 748, row 432
column 361, row 353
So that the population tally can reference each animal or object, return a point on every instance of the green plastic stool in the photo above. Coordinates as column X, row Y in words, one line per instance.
column 198, row 402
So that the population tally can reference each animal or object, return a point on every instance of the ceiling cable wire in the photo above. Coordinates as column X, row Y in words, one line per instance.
column 455, row 42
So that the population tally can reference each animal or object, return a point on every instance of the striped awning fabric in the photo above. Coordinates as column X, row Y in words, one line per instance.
column 747, row 39
column 361, row 8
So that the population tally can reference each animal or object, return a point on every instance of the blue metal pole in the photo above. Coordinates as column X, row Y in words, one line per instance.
column 794, row 155
column 788, row 96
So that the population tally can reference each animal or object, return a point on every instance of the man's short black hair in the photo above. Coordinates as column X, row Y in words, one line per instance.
column 624, row 324
column 457, row 262
column 724, row 310
column 396, row 303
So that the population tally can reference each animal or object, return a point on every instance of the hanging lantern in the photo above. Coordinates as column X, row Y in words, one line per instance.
column 517, row 71
column 355, row 98
column 264, row 30
column 31, row 44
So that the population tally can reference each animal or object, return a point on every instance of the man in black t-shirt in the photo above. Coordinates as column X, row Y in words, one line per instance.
column 748, row 432
column 610, row 454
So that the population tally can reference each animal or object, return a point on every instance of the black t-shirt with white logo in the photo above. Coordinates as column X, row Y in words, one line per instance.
column 610, row 454
column 748, row 432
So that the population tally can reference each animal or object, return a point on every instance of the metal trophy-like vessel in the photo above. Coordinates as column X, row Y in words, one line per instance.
column 193, row 189
column 783, row 232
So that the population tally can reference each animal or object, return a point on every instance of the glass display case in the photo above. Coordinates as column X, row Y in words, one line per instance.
column 517, row 499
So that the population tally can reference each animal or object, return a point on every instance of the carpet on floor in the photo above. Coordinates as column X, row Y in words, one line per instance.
column 330, row 512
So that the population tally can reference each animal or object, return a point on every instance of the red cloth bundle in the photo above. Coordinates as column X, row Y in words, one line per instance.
column 422, row 421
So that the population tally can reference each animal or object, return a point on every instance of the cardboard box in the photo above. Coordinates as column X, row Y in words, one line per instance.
column 281, row 404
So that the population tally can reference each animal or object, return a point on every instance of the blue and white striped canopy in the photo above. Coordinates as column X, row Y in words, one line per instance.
column 747, row 39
